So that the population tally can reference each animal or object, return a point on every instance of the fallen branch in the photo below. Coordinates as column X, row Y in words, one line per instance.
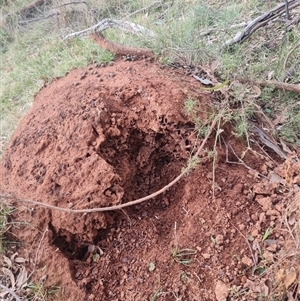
column 121, row 206
column 260, row 22
column 212, row 29
column 275, row 84
column 126, row 26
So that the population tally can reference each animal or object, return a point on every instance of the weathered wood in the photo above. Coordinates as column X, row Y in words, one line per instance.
column 259, row 22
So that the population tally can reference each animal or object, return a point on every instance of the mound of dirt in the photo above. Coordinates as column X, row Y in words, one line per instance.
column 98, row 137
column 106, row 135
column 95, row 138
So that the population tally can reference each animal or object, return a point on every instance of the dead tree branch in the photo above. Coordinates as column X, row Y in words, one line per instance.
column 121, row 206
column 275, row 84
column 25, row 22
column 259, row 22
column 126, row 26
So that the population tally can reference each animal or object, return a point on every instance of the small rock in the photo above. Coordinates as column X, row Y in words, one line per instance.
column 206, row 255
column 266, row 203
column 242, row 227
column 221, row 291
column 247, row 261
column 219, row 239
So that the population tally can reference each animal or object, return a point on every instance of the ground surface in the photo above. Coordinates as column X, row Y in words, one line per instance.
column 106, row 135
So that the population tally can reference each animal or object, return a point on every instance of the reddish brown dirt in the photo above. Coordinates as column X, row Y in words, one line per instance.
column 105, row 135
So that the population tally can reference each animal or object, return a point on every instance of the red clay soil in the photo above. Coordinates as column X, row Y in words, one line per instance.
column 107, row 135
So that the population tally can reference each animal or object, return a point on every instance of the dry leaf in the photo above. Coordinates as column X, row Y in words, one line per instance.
column 281, row 118
column 2, row 295
column 292, row 218
column 22, row 278
column 285, row 147
column 290, row 296
column 203, row 81
column 271, row 74
column 13, row 256
column 280, row 275
column 7, row 260
column 290, row 278
column 8, row 273
column 257, row 92
column 264, row 289
column 20, row 260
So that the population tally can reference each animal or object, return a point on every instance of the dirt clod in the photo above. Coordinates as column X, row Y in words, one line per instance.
column 221, row 291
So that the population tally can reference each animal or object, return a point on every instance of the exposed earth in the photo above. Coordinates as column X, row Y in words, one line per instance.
column 106, row 135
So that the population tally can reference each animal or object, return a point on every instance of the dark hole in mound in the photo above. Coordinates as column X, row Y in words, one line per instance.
column 68, row 244
column 143, row 160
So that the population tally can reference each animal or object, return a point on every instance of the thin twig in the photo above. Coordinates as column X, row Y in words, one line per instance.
column 36, row 255
column 211, row 29
column 215, row 160
column 247, row 241
column 241, row 162
column 70, row 3
column 120, row 206
column 288, row 56
column 10, row 292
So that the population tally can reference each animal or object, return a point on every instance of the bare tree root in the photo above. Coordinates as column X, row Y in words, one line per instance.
column 121, row 206
column 96, row 34
column 261, row 21
column 118, row 49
